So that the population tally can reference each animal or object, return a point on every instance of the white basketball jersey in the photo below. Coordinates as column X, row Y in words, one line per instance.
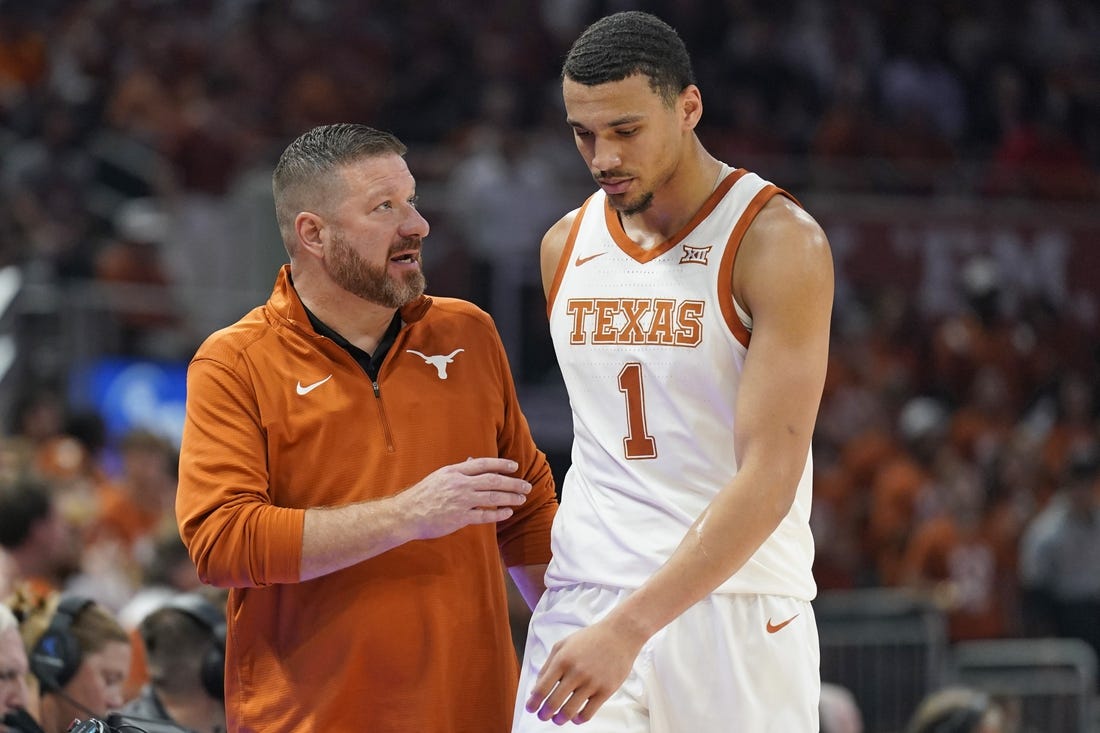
column 651, row 345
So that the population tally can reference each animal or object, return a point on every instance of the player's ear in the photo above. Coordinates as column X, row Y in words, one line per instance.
column 690, row 104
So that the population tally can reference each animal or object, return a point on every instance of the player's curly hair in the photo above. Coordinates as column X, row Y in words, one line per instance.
column 628, row 43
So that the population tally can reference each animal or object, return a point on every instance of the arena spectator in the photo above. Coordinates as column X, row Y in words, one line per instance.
column 1057, row 554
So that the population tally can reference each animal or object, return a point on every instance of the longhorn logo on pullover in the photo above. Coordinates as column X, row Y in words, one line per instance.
column 439, row 361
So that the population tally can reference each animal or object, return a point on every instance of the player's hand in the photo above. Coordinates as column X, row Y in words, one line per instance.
column 476, row 491
column 582, row 672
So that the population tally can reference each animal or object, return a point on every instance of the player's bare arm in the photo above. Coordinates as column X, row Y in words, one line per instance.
column 530, row 581
column 784, row 278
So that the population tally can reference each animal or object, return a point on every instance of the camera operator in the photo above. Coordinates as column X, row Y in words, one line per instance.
column 185, row 656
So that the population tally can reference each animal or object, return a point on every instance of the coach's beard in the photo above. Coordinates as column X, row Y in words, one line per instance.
column 374, row 283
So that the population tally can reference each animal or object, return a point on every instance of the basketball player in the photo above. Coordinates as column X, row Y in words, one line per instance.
column 689, row 305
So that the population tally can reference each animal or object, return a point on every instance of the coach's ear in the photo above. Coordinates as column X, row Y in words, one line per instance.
column 312, row 233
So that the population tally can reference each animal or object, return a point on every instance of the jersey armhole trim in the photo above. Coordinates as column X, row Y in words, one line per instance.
column 725, row 271
column 566, row 254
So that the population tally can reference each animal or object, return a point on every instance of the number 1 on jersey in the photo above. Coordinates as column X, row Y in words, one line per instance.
column 637, row 443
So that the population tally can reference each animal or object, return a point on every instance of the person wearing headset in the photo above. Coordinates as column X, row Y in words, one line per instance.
column 958, row 710
column 185, row 654
column 79, row 655
column 15, row 696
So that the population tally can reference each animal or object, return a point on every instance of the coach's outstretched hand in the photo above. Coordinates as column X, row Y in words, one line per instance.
column 476, row 491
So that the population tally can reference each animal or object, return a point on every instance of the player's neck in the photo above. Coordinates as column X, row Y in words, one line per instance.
column 677, row 201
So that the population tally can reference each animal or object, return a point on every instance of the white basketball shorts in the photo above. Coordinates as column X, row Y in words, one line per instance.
column 729, row 663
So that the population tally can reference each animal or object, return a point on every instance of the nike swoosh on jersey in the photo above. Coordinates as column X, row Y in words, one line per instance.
column 772, row 628
column 581, row 260
column 310, row 387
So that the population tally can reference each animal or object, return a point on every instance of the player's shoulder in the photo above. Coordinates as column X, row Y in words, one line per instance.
column 783, row 217
column 781, row 230
column 558, row 234
column 784, row 253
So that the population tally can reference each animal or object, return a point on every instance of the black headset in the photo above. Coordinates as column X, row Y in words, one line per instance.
column 209, row 617
column 56, row 655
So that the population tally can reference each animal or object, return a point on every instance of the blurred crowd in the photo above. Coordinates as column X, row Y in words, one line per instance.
column 956, row 455
column 117, row 116
column 959, row 456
